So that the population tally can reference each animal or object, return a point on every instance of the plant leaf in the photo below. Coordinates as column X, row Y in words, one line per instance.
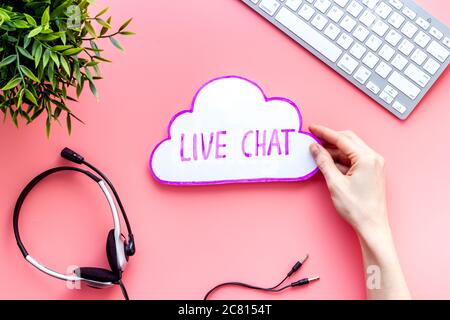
column 25, row 53
column 30, row 96
column 93, row 89
column 61, row 48
column 48, row 125
column 30, row 19
column 45, row 17
column 72, row 52
column 127, row 33
column 12, row 83
column 37, row 55
column 8, row 60
column 116, row 43
column 20, row 98
column 102, row 59
column 102, row 12
column 35, row 32
column 29, row 73
column 45, row 58
column 69, row 123
column 125, row 24
column 65, row 65
column 90, row 29
column 103, row 23
column 55, row 58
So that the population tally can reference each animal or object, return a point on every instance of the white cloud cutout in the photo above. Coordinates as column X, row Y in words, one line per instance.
column 234, row 133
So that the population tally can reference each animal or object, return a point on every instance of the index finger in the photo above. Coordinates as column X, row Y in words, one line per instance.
column 346, row 145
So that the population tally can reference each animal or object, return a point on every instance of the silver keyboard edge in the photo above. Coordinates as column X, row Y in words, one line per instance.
column 409, row 3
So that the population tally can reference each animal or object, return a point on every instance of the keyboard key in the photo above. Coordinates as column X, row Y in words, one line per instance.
column 293, row 4
column 423, row 23
column 306, row 12
column 308, row 34
column 447, row 42
column 417, row 75
column 348, row 64
column 322, row 5
column 348, row 23
column 370, row 3
column 436, row 33
column 373, row 87
column 399, row 62
column 383, row 69
column 362, row 75
column 438, row 51
column 409, row 29
column 393, row 37
column 270, row 6
column 332, row 31
column 419, row 57
column 374, row 42
column 380, row 28
column 383, row 10
column 367, row 18
column 386, row 52
column 422, row 39
column 319, row 21
column 409, row 13
column 391, row 91
column 399, row 107
column 370, row 60
column 345, row 41
column 431, row 66
column 406, row 47
column 342, row 3
column 396, row 20
column 335, row 14
column 361, row 33
column 386, row 97
column 404, row 85
column 354, row 8
column 358, row 50
column 397, row 4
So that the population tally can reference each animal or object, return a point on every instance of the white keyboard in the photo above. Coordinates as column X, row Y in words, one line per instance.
column 392, row 50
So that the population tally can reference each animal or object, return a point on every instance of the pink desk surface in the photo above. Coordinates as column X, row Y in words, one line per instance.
column 191, row 238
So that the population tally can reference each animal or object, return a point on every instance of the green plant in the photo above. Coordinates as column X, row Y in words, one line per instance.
column 48, row 48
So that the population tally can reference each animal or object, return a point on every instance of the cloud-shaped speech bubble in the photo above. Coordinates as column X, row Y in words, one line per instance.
column 233, row 133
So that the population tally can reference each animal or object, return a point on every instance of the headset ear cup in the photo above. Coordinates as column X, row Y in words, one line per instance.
column 111, row 252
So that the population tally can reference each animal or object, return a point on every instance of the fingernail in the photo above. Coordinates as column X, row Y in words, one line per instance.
column 315, row 149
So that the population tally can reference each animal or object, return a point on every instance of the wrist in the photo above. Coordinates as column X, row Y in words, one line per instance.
column 377, row 239
column 371, row 222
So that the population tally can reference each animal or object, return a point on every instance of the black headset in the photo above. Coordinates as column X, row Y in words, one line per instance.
column 118, row 249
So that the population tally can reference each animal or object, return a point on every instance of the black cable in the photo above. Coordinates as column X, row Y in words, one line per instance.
column 124, row 290
column 245, row 285
column 293, row 270
column 279, row 284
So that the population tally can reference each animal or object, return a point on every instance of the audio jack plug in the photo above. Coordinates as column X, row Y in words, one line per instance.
column 304, row 281
column 297, row 266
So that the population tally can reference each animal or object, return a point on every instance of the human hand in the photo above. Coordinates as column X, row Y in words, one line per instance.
column 355, row 177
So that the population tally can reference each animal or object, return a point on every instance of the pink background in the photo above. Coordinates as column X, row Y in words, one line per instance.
column 190, row 238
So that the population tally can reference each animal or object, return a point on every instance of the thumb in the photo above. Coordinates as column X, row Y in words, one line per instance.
column 325, row 163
